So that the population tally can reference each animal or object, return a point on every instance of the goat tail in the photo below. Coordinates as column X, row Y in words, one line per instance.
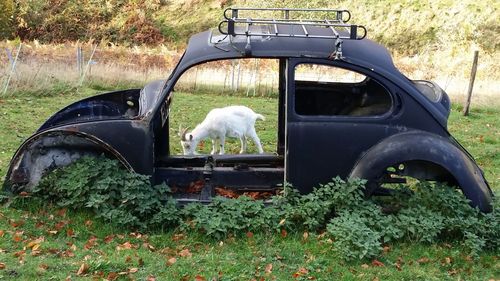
column 260, row 116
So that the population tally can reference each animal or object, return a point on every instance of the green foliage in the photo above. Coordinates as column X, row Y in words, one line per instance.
column 426, row 213
column 6, row 18
column 354, row 238
column 405, row 26
column 432, row 213
column 112, row 192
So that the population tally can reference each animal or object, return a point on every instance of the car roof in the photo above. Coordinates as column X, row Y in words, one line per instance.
column 209, row 45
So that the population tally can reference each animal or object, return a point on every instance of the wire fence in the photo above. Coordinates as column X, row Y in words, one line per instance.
column 26, row 69
column 36, row 69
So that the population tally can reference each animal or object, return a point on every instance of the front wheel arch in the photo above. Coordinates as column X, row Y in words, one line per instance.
column 49, row 150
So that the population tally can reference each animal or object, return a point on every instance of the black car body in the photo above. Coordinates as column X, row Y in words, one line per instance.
column 316, row 140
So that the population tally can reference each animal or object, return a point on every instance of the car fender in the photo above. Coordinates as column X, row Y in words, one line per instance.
column 50, row 149
column 424, row 147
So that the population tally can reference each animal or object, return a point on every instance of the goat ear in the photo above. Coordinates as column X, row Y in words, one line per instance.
column 190, row 137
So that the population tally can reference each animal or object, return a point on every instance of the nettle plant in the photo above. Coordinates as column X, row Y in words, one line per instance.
column 359, row 227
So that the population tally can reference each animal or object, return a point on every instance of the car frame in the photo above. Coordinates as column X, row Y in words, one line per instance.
column 409, row 139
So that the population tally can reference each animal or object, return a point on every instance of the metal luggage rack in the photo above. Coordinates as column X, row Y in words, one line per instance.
column 234, row 24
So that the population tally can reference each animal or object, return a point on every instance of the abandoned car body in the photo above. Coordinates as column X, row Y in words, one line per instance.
column 383, row 128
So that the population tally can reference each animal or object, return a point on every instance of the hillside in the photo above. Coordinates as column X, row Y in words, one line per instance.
column 407, row 27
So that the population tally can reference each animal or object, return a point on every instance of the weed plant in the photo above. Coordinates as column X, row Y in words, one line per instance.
column 338, row 211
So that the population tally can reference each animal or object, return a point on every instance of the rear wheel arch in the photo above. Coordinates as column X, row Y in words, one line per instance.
column 424, row 156
column 48, row 150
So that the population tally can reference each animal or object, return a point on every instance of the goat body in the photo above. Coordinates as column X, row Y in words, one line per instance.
column 233, row 121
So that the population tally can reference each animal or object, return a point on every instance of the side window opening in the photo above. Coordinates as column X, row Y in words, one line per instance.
column 332, row 91
column 252, row 83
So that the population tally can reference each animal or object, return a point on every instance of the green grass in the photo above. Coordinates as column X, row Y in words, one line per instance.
column 234, row 258
column 187, row 110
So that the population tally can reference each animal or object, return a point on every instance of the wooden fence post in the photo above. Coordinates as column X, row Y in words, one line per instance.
column 471, row 84
column 12, row 69
column 87, row 67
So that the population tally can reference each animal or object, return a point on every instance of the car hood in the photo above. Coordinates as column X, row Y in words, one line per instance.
column 114, row 105
column 124, row 104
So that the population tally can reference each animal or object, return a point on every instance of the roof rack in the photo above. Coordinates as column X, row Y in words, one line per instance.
column 234, row 24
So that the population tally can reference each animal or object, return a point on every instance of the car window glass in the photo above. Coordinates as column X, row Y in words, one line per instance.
column 334, row 91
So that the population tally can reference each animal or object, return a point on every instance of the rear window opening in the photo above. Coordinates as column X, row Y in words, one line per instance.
column 332, row 91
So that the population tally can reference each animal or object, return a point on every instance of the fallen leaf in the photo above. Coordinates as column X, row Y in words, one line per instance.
column 140, row 262
column 282, row 222
column 90, row 243
column 284, row 233
column 148, row 246
column 302, row 271
column 386, row 249
column 23, row 194
column 225, row 192
column 365, row 266
column 61, row 212
column 257, row 195
column 83, row 269
column 448, row 260
column 171, row 261
column 112, row 276
column 16, row 223
column 199, row 278
column 305, row 235
column 60, row 225
column 133, row 270
column 423, row 260
column 377, row 263
column 177, row 237
column 88, row 223
column 17, row 238
column 195, row 187
column 2, row 265
column 151, row 278
column 398, row 263
column 185, row 253
column 249, row 234
column 125, row 246
column 109, row 238
column 35, row 243
column 36, row 247
column 70, row 232
column 52, row 232
column 269, row 268
column 68, row 254
column 2, row 233
column 43, row 267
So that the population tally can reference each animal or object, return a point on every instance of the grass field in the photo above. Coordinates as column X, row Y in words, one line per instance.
column 43, row 243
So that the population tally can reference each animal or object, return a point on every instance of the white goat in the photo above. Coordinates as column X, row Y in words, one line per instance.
column 233, row 121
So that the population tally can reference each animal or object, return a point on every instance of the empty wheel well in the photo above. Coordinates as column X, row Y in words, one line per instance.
column 424, row 170
column 44, row 153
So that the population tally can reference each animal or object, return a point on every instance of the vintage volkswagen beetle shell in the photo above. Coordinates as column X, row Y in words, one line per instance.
column 132, row 126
